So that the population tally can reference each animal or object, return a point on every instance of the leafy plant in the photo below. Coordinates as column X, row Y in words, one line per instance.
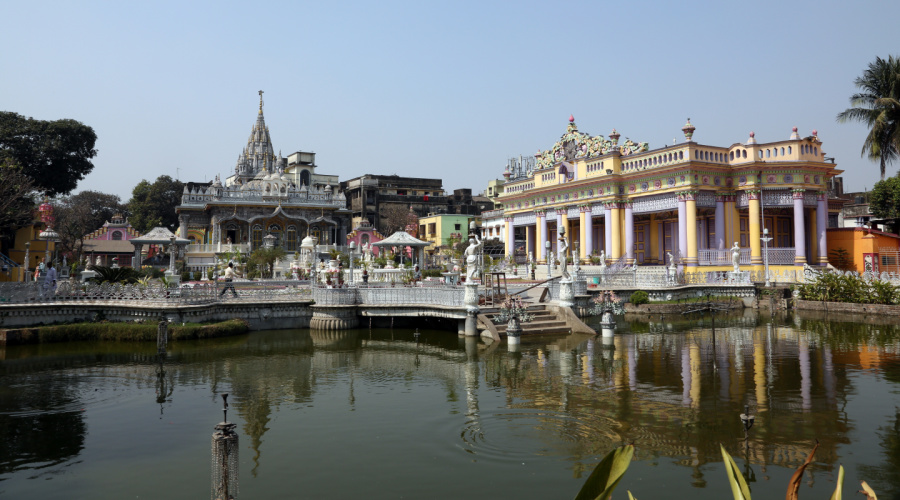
column 606, row 476
column 640, row 297
column 116, row 275
column 840, row 258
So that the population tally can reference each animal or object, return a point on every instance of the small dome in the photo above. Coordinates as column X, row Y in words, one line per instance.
column 308, row 242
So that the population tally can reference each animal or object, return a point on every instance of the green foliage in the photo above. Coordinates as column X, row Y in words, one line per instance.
column 884, row 200
column 153, row 205
column 739, row 487
column 16, row 202
column 262, row 261
column 80, row 214
column 834, row 287
column 54, row 154
column 432, row 273
column 878, row 106
column 133, row 332
column 606, row 476
column 640, row 297
column 124, row 275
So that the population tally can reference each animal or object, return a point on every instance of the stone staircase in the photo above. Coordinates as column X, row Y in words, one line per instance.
column 546, row 322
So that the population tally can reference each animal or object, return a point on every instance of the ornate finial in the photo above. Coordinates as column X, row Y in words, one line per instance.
column 688, row 130
column 752, row 139
column 794, row 135
column 260, row 101
column 614, row 137
column 571, row 118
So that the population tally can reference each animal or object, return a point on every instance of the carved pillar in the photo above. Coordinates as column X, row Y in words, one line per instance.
column 541, row 227
column 562, row 221
column 822, row 226
column 616, row 230
column 137, row 255
column 753, row 225
column 720, row 221
column 629, row 233
column 607, row 229
column 587, row 221
column 510, row 236
column 799, row 228
column 690, row 212
column 682, row 227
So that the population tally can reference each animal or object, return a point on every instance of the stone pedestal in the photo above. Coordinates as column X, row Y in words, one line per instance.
column 566, row 293
column 471, row 302
column 87, row 274
column 174, row 278
column 337, row 317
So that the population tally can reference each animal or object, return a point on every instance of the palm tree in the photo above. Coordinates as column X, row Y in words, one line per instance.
column 878, row 106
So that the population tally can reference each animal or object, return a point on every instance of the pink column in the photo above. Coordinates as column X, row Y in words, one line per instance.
column 629, row 233
column 720, row 222
column 822, row 226
column 607, row 226
column 542, row 221
column 799, row 228
column 682, row 227
column 588, row 231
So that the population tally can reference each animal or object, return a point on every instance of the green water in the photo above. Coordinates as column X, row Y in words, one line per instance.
column 376, row 414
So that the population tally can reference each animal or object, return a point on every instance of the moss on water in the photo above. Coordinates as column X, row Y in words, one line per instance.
column 123, row 332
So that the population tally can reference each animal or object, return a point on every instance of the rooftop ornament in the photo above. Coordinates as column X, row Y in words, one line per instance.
column 688, row 130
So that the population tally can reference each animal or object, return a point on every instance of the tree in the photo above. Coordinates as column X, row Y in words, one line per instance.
column 394, row 217
column 16, row 200
column 81, row 214
column 884, row 200
column 153, row 205
column 878, row 106
column 55, row 154
column 262, row 261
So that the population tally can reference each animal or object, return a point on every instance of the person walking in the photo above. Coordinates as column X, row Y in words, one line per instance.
column 229, row 280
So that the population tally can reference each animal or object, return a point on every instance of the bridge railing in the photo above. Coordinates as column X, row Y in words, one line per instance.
column 451, row 296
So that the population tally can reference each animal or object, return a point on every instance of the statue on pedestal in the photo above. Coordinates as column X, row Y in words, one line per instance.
column 736, row 256
column 602, row 261
column 471, row 255
column 563, row 249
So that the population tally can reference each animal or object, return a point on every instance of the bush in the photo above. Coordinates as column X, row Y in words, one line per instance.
column 432, row 273
column 851, row 288
column 135, row 332
column 640, row 297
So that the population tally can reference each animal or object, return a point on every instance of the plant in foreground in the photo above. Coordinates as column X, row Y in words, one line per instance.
column 607, row 474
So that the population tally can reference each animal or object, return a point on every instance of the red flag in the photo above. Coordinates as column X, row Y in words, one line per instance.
column 426, row 197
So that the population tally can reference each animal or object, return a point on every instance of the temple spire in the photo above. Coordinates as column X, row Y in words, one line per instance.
column 260, row 101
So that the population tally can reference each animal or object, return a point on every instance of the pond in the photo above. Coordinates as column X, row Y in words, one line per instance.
column 388, row 414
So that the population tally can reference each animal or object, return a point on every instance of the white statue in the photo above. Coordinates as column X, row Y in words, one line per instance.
column 471, row 254
column 552, row 261
column 671, row 260
column 736, row 256
column 98, row 262
column 563, row 250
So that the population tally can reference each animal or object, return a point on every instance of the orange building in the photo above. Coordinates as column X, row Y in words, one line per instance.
column 864, row 249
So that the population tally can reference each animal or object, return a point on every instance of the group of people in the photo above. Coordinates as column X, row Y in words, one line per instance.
column 50, row 277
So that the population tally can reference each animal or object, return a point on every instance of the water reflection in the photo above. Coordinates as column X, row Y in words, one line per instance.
column 662, row 384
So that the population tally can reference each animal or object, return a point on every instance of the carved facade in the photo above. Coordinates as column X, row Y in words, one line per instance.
column 266, row 194
column 687, row 199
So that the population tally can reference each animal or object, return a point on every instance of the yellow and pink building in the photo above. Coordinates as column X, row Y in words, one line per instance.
column 687, row 201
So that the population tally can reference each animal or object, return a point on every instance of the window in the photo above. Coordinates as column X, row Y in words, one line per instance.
column 256, row 236
column 290, row 242
column 456, row 227
column 117, row 235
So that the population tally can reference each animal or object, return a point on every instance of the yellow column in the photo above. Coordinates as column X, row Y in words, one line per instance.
column 690, row 206
column 732, row 221
column 565, row 224
column 528, row 242
column 616, row 218
column 753, row 225
column 582, row 237
column 654, row 240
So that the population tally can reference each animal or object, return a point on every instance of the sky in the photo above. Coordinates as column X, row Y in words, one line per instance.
column 446, row 90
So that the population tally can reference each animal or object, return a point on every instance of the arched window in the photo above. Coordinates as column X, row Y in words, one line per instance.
column 290, row 239
column 256, row 237
column 304, row 177
column 117, row 235
column 745, row 153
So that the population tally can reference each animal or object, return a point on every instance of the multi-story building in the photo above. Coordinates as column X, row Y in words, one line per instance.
column 266, row 194
column 690, row 200
column 441, row 229
column 377, row 198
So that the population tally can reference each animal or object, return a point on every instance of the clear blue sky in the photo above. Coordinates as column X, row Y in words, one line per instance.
column 433, row 89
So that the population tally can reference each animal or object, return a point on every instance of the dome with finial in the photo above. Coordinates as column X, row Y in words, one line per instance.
column 794, row 135
column 752, row 139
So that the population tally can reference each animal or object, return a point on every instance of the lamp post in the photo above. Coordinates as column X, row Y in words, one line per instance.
column 352, row 251
column 25, row 263
column 766, row 239
column 547, row 254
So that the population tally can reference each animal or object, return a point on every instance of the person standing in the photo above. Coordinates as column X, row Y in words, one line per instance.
column 229, row 280
column 50, row 280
